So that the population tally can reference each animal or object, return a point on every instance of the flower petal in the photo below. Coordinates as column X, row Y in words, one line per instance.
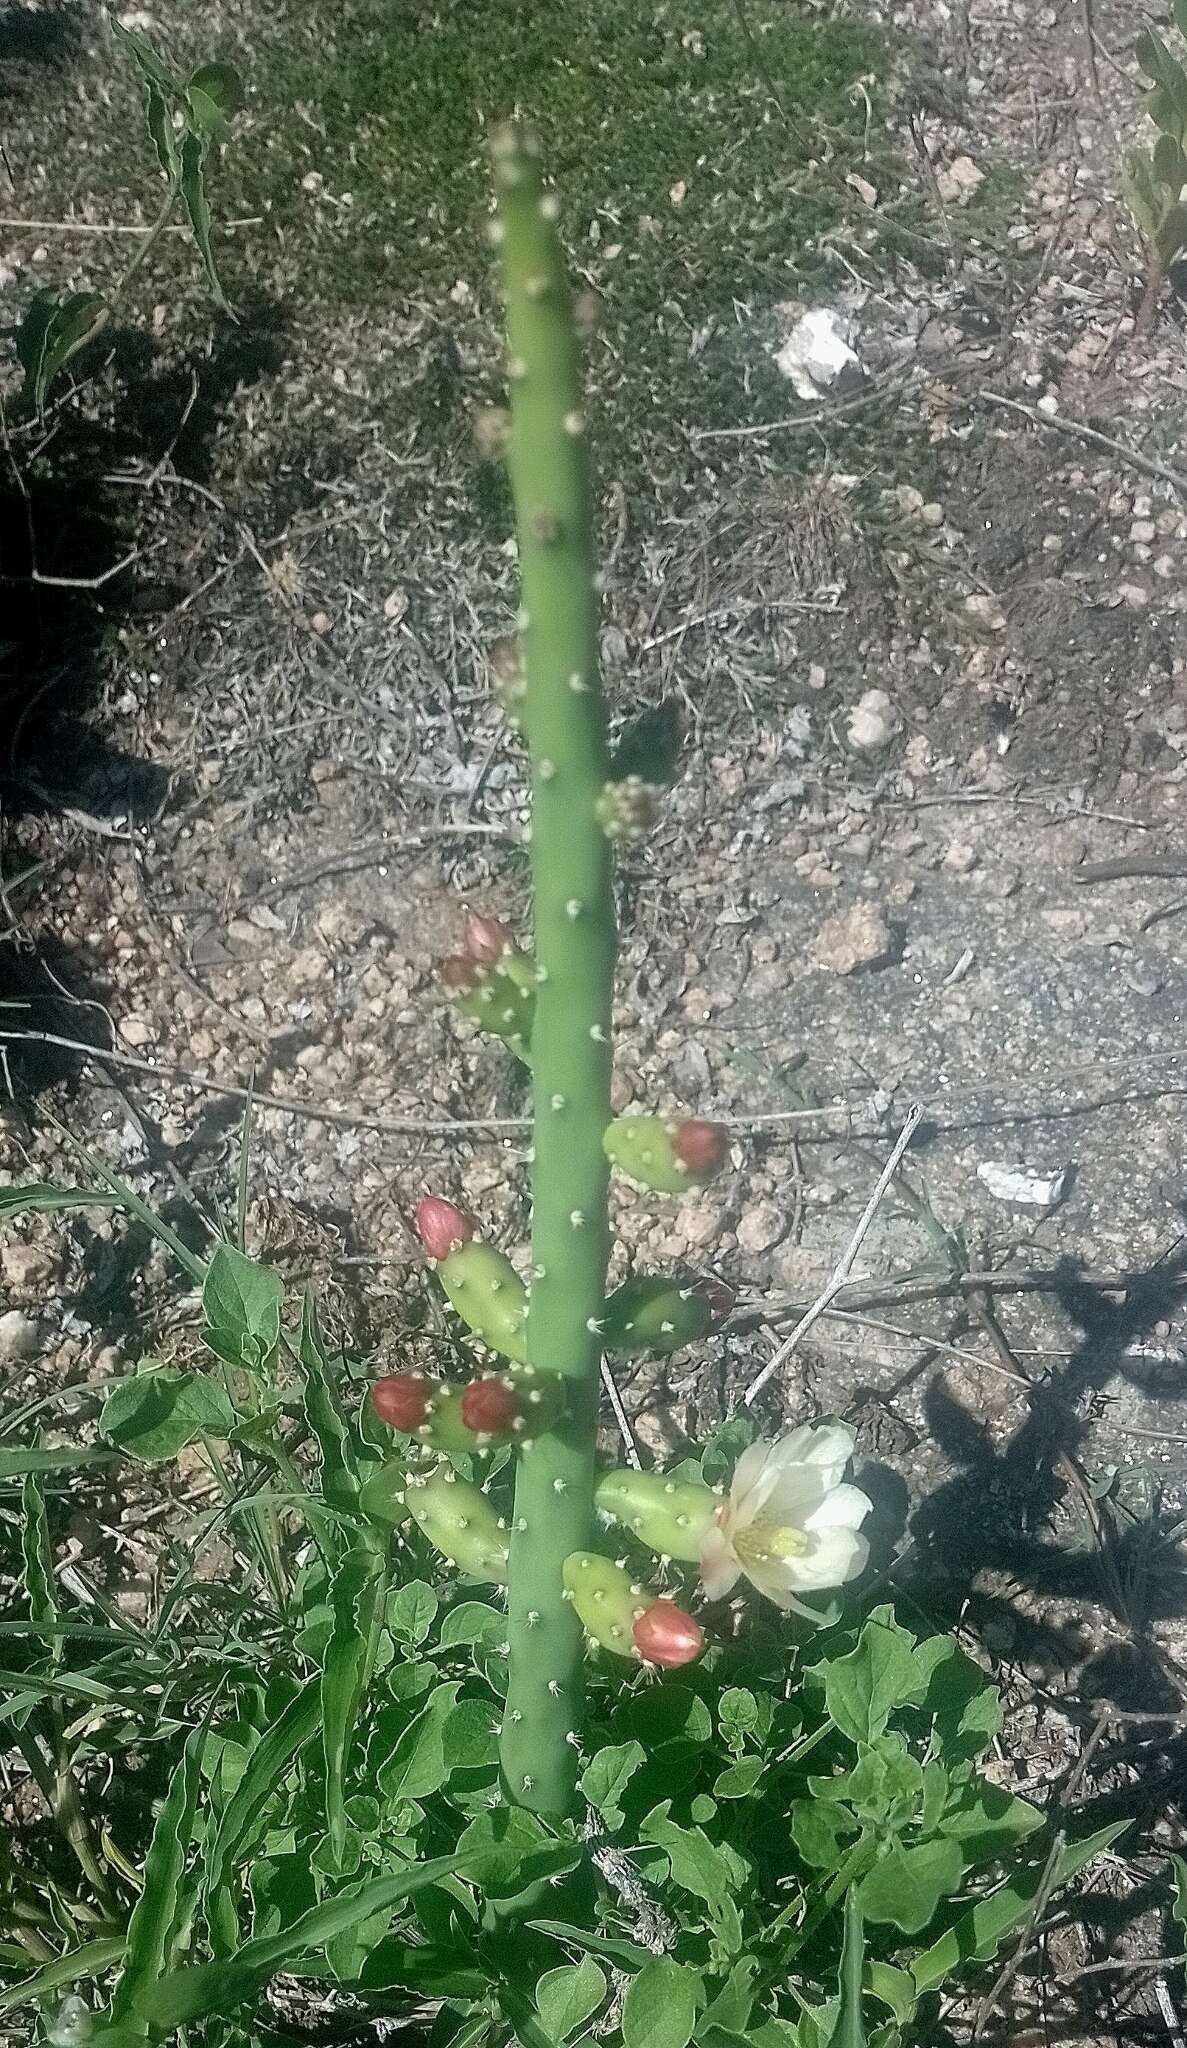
column 836, row 1556
column 773, row 1581
column 749, row 1474
column 831, row 1447
column 843, row 1507
column 720, row 1570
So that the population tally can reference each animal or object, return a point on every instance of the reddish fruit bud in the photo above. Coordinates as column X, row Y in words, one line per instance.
column 489, row 1408
column 441, row 1227
column 457, row 970
column 402, row 1401
column 667, row 1635
column 718, row 1298
column 700, row 1146
column 485, row 939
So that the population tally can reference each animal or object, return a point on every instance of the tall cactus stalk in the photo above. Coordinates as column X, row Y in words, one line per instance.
column 564, row 723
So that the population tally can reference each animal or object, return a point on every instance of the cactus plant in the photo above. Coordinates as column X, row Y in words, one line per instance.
column 564, row 721
column 480, row 1281
column 650, row 1313
column 459, row 1521
column 672, row 1517
column 622, row 1616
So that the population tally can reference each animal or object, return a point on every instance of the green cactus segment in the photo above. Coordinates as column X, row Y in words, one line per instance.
column 607, row 1601
column 460, row 1522
column 564, row 720
column 641, row 1147
column 489, row 1296
column 651, row 1313
column 381, row 1497
column 670, row 1516
column 503, row 1001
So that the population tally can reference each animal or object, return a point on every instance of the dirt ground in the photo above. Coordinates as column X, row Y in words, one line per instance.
column 262, row 769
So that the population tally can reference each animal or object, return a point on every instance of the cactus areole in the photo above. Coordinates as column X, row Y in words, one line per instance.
column 564, row 722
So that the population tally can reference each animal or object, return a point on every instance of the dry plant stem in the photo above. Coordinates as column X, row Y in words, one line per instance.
column 843, row 1269
column 1055, row 423
column 564, row 723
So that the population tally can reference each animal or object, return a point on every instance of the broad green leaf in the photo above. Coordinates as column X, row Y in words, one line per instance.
column 892, row 1987
column 189, row 1995
column 1172, row 232
column 1140, row 193
column 660, row 2009
column 625, row 1955
column 738, row 1781
column 822, row 1830
column 194, row 149
column 416, row 1767
column 215, row 95
column 158, row 118
column 904, row 1890
column 700, row 1868
column 964, row 1704
column 411, row 1612
column 1179, row 10
column 737, row 1715
column 980, row 1932
column 154, row 1415
column 1170, row 165
column 988, row 1822
column 241, row 1303
column 506, row 1849
column 1177, row 1863
column 472, row 1622
column 164, row 1905
column 863, row 1689
column 730, row 2010
column 606, row 1776
column 325, row 1415
column 669, row 1713
column 354, row 1590
column 850, row 2028
column 18, row 1460
column 1158, row 64
column 471, row 1736
column 52, row 332
column 93, row 1959
column 245, row 1814
column 568, row 1996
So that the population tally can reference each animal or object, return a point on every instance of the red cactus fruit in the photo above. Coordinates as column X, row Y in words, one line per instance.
column 457, row 970
column 402, row 1400
column 700, row 1146
column 489, row 1408
column 441, row 1227
column 485, row 939
column 667, row 1635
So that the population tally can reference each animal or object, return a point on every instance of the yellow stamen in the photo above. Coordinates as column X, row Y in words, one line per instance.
column 767, row 1542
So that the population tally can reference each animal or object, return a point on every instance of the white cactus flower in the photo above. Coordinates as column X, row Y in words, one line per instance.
column 790, row 1525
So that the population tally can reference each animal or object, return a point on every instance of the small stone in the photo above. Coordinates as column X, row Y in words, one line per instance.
column 853, row 939
column 873, row 722
column 957, row 181
column 1134, row 595
column 320, row 623
column 933, row 514
column 699, row 1223
column 137, row 1031
column 960, row 857
column 760, row 1227
column 26, row 1267
column 1143, row 531
column 309, row 967
column 20, row 1338
column 203, row 1045
column 987, row 612
column 817, row 676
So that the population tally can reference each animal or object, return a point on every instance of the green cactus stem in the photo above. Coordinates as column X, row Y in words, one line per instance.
column 651, row 1313
column 494, row 998
column 564, row 719
column 607, row 1600
column 489, row 1296
column 670, row 1516
column 460, row 1522
column 666, row 1153
column 381, row 1497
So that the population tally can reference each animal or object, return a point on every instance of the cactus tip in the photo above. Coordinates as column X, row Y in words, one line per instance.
column 664, row 1634
column 441, row 1226
column 700, row 1146
column 402, row 1400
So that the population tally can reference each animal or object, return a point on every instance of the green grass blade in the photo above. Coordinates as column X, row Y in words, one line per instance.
column 324, row 1414
column 38, row 1556
column 850, row 2029
column 161, row 1909
column 244, row 1181
column 241, row 1818
column 188, row 1995
column 197, row 206
column 19, row 1460
column 130, row 1200
column 353, row 1595
column 38, row 1198
column 79, row 1964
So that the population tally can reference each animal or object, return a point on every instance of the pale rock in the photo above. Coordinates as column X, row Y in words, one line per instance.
column 1025, row 1185
column 27, row 1267
column 873, row 722
column 987, row 612
column 309, row 967
column 698, row 1222
column 855, row 938
column 136, row 1031
column 760, row 1227
column 960, row 857
column 20, row 1338
column 959, row 180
